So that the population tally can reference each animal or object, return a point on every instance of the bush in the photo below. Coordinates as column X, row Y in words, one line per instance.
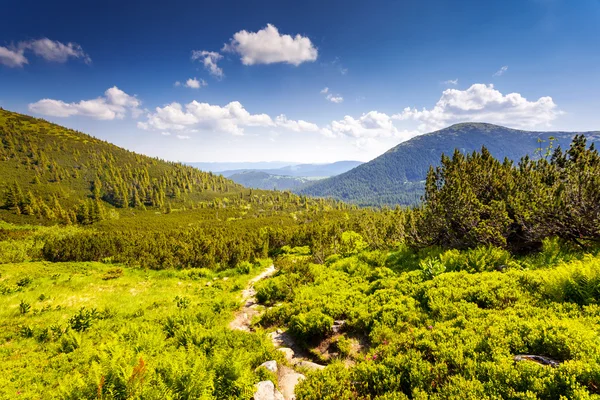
column 311, row 326
column 244, row 268
column 82, row 321
column 112, row 274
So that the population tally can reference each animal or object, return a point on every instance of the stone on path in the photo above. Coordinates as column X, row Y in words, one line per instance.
column 288, row 379
column 309, row 365
column 266, row 390
column 287, row 352
column 270, row 365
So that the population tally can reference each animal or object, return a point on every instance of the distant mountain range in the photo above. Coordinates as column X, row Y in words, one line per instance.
column 275, row 176
column 302, row 170
column 397, row 176
column 263, row 180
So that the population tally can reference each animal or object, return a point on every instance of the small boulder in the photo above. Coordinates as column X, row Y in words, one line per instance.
column 270, row 365
column 266, row 390
column 338, row 325
column 289, row 353
column 309, row 365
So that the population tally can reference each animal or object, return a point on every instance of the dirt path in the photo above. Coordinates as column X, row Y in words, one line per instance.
column 287, row 377
column 243, row 317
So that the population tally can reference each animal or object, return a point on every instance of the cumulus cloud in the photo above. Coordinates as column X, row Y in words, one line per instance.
column 209, row 59
column 483, row 103
column 232, row 118
column 325, row 90
column 268, row 46
column 177, row 84
column 194, row 83
column 113, row 105
column 296, row 126
column 49, row 50
column 501, row 71
column 183, row 137
column 373, row 124
column 453, row 82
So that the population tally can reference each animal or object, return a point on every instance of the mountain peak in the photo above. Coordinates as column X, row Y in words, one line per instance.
column 396, row 177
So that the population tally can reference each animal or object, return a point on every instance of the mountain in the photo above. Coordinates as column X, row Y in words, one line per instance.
column 237, row 166
column 263, row 180
column 302, row 170
column 290, row 177
column 53, row 173
column 396, row 177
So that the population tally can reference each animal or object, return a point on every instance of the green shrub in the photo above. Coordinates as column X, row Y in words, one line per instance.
column 113, row 273
column 24, row 307
column 310, row 326
column 244, row 268
column 82, row 321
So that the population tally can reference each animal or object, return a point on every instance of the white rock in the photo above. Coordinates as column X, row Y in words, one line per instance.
column 309, row 365
column 270, row 365
column 266, row 390
column 289, row 353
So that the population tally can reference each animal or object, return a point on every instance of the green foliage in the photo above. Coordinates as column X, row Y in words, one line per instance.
column 476, row 200
column 311, row 326
column 173, row 349
column 82, row 321
column 24, row 307
column 113, row 273
column 454, row 334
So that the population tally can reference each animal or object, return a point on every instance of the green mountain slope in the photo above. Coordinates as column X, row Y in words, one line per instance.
column 263, row 180
column 396, row 176
column 54, row 173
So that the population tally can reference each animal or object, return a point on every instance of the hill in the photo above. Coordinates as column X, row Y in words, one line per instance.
column 396, row 177
column 302, row 170
column 53, row 173
column 263, row 180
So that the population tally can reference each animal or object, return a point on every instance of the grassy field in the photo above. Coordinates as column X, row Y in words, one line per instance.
column 91, row 330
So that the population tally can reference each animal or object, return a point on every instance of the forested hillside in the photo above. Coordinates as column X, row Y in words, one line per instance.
column 57, row 174
column 263, row 180
column 396, row 177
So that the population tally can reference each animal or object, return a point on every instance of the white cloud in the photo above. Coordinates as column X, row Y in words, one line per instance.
column 55, row 51
column 296, row 126
column 177, row 84
column 113, row 105
column 209, row 59
column 49, row 50
column 501, row 71
column 334, row 98
column 483, row 103
column 166, row 133
column 453, row 82
column 372, row 124
column 194, row 83
column 232, row 118
column 183, row 137
column 268, row 46
column 12, row 58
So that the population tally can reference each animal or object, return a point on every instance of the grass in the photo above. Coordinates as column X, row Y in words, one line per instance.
column 81, row 330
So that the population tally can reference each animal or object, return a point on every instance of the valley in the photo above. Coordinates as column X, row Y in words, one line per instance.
column 128, row 277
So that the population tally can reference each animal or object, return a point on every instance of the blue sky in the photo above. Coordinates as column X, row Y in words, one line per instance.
column 392, row 69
